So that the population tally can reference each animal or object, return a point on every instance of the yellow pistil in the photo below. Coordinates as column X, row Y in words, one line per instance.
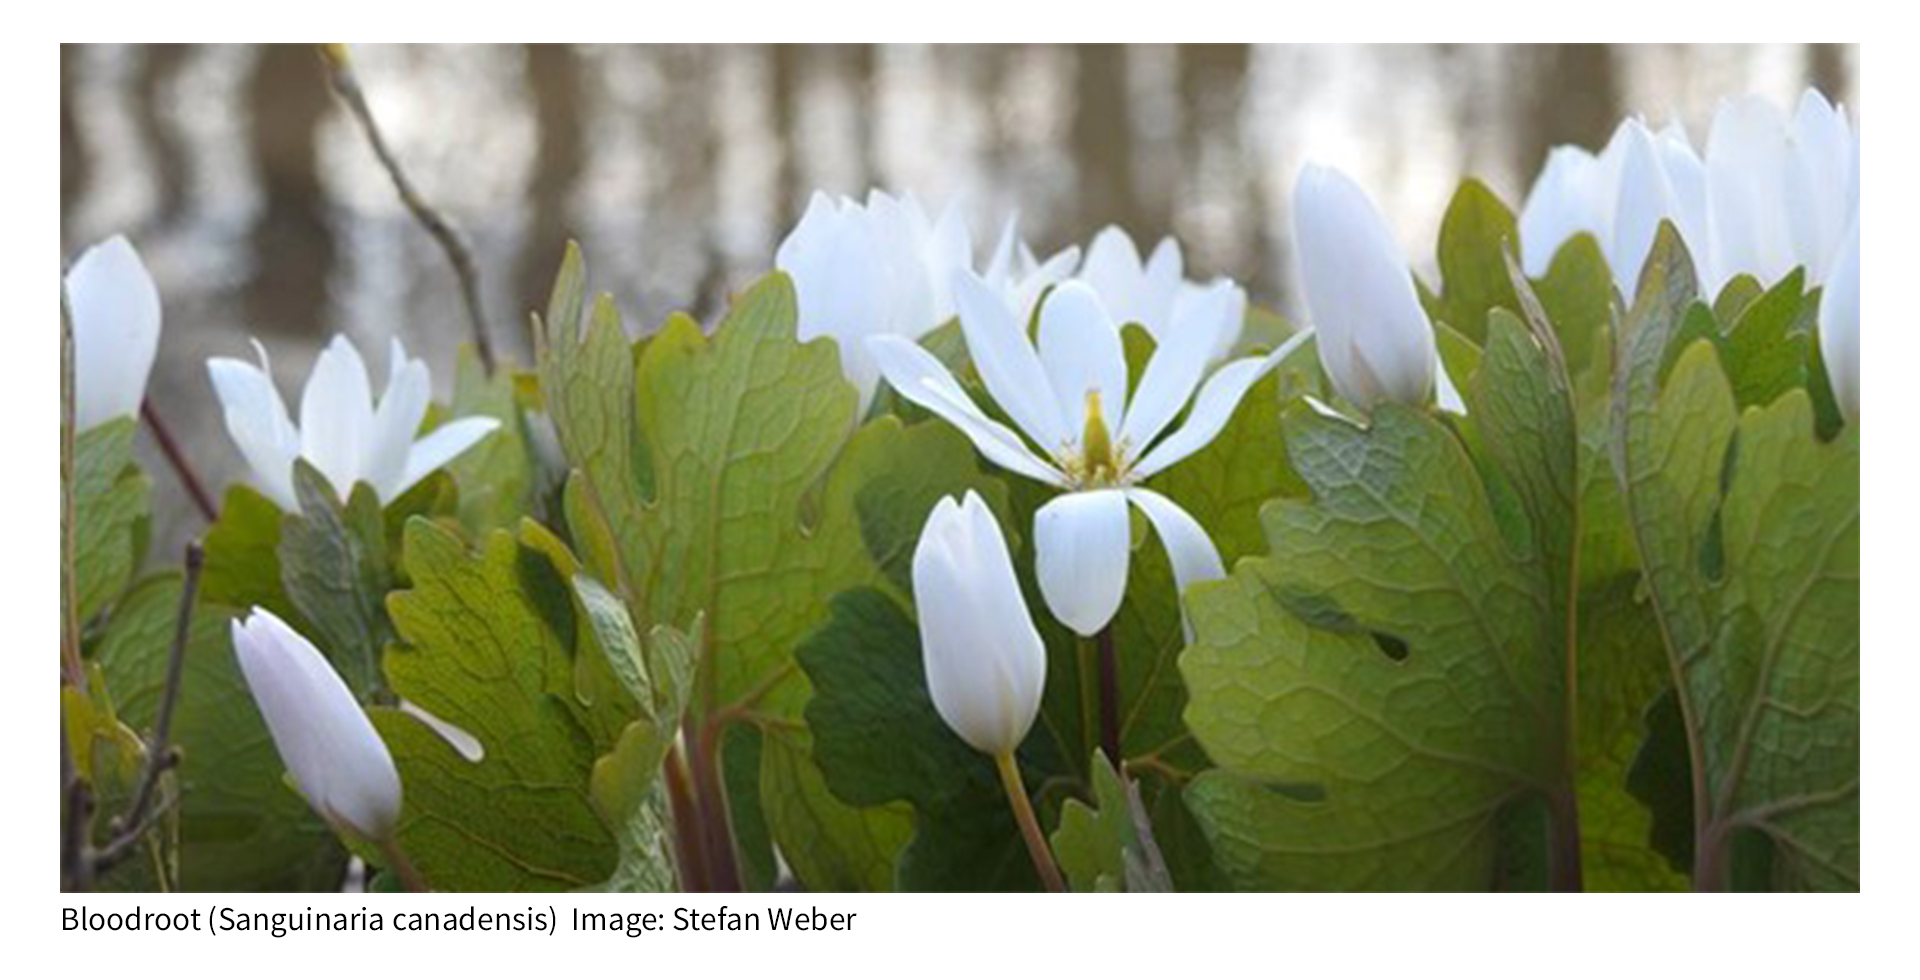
column 1099, row 466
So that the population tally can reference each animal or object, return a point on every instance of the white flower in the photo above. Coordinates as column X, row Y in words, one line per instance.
column 1780, row 192
column 865, row 270
column 1151, row 293
column 1619, row 197
column 336, row 758
column 1069, row 395
column 1376, row 342
column 986, row 666
column 1771, row 194
column 1018, row 277
column 1840, row 324
column 342, row 432
column 116, row 331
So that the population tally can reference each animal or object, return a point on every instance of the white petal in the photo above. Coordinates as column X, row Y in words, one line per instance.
column 834, row 259
column 985, row 662
column 336, row 415
column 920, row 378
column 395, row 422
column 1081, row 352
column 1007, row 363
column 458, row 739
column 440, row 447
column 1159, row 286
column 1189, row 550
column 1361, row 294
column 1840, row 325
column 1646, row 198
column 949, row 249
column 1177, row 364
column 1214, row 407
column 116, row 330
column 258, row 423
column 1082, row 542
column 1230, row 323
column 1114, row 271
column 1564, row 202
column 324, row 737
column 1824, row 178
column 1748, row 156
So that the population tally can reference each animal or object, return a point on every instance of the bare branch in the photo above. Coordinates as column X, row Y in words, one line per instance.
column 347, row 87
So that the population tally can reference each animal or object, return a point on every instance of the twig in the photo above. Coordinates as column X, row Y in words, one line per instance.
column 128, row 828
column 73, row 672
column 75, row 864
column 196, row 491
column 347, row 86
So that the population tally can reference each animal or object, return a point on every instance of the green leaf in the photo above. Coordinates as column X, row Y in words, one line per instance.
column 242, row 826
column 495, row 476
column 243, row 557
column 1475, row 235
column 334, row 567
column 1748, row 525
column 1766, row 349
column 1110, row 848
column 1390, row 680
column 487, row 643
column 723, row 476
column 109, row 512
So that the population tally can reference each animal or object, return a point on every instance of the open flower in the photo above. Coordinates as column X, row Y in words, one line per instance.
column 342, row 432
column 336, row 758
column 1376, row 342
column 862, row 270
column 1087, row 436
column 986, row 665
column 116, row 331
column 1840, row 324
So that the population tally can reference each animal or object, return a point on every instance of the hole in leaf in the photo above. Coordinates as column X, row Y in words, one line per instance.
column 1394, row 647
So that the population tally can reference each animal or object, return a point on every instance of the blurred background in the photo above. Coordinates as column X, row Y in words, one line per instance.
column 262, row 213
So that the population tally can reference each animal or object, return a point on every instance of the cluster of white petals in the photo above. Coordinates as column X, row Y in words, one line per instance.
column 1082, row 431
column 885, row 268
column 343, row 432
column 1773, row 192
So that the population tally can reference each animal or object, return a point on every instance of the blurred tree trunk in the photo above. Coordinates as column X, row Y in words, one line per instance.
column 286, row 100
column 1827, row 70
column 76, row 168
column 1569, row 95
column 783, row 82
column 162, row 66
column 1102, row 144
column 553, row 78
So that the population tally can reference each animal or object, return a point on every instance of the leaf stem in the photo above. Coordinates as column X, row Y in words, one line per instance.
column 1567, row 873
column 170, row 448
column 689, row 836
column 398, row 864
column 710, row 802
column 1029, row 824
column 1109, row 668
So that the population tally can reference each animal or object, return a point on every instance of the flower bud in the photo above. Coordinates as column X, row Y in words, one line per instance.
column 116, row 331
column 986, row 665
column 336, row 758
column 1375, row 341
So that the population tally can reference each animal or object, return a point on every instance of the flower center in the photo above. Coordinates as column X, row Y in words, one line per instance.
column 1099, row 463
